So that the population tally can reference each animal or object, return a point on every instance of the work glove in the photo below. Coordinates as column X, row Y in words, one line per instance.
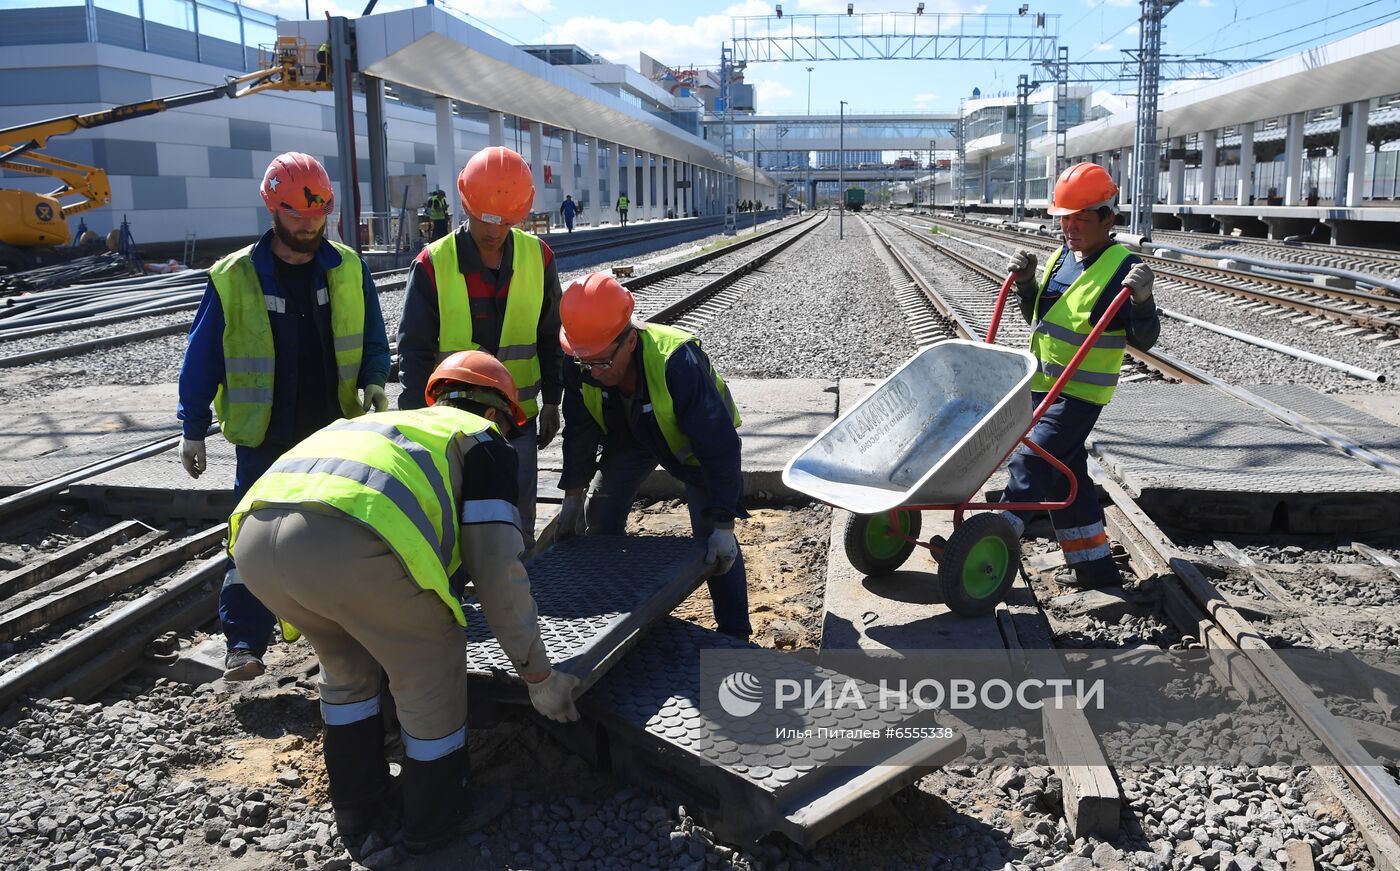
column 571, row 522
column 1022, row 263
column 1140, row 280
column 723, row 548
column 375, row 399
column 548, row 423
column 192, row 456
column 554, row 696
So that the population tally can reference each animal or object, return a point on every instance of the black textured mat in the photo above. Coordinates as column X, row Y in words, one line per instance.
column 736, row 777
column 595, row 596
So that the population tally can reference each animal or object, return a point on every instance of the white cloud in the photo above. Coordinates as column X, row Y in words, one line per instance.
column 1103, row 46
column 619, row 41
column 1133, row 29
column 769, row 89
column 1207, row 3
column 924, row 99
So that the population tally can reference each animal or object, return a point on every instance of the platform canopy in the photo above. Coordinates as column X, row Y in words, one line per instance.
column 429, row 49
column 1358, row 67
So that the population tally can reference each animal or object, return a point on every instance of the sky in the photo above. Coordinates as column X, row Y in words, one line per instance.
column 691, row 34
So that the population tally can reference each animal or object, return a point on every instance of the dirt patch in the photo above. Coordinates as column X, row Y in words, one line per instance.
column 785, row 552
column 257, row 762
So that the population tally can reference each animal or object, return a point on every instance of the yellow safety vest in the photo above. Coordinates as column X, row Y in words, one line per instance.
column 244, row 399
column 622, row 202
column 658, row 344
column 389, row 472
column 1057, row 337
column 522, row 319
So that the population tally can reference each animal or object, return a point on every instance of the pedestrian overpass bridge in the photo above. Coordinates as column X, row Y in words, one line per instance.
column 825, row 132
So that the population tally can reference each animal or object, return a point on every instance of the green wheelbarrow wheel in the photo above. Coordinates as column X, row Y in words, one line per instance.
column 979, row 564
column 873, row 546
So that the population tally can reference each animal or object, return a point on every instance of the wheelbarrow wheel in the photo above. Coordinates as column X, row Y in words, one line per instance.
column 873, row 546
column 979, row 564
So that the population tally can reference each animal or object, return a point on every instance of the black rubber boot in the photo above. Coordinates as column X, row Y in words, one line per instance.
column 437, row 806
column 362, row 793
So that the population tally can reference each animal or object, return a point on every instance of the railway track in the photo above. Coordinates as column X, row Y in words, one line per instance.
column 1373, row 261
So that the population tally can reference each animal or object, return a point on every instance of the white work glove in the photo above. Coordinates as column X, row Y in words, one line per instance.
column 571, row 521
column 548, row 423
column 375, row 399
column 554, row 696
column 1140, row 280
column 723, row 548
column 192, row 456
column 1022, row 263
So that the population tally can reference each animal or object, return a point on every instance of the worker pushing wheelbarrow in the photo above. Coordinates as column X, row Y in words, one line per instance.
column 927, row 438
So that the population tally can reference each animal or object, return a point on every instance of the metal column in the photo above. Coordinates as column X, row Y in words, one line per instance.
column 445, row 164
column 1356, row 152
column 1245, row 184
column 726, row 193
column 960, row 170
column 1023, row 123
column 342, row 74
column 378, row 144
column 1208, row 159
column 1176, row 173
column 495, row 128
column 1061, row 112
column 1293, row 161
column 567, row 179
column 537, row 158
column 590, row 178
column 1145, row 146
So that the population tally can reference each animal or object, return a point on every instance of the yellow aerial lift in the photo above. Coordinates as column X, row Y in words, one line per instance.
column 32, row 222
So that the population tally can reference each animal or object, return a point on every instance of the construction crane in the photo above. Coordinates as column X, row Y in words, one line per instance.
column 31, row 223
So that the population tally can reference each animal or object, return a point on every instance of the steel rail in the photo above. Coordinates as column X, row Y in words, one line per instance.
column 1290, row 350
column 670, row 312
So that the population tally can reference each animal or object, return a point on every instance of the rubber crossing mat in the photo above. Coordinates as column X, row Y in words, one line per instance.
column 649, row 727
column 595, row 596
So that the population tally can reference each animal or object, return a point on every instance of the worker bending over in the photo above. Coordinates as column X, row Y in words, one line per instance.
column 288, row 330
column 1074, row 292
column 493, row 287
column 646, row 394
column 356, row 537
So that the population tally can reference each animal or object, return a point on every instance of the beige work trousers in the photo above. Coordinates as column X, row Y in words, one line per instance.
column 336, row 581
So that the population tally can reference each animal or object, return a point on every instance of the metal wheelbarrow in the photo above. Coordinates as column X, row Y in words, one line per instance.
column 927, row 438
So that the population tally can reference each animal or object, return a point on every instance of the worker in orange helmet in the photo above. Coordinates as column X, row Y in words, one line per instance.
column 1072, row 294
column 491, row 286
column 641, row 395
column 287, row 338
column 359, row 536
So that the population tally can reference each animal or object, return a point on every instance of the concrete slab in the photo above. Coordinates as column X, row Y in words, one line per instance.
column 902, row 611
column 1197, row 459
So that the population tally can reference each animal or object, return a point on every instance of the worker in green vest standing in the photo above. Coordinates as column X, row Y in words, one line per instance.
column 1073, row 293
column 493, row 287
column 622, row 204
column 360, row 536
column 287, row 338
column 645, row 395
column 437, row 213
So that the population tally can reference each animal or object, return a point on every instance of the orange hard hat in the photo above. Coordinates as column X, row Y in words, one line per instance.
column 1083, row 186
column 496, row 186
column 478, row 368
column 592, row 313
column 297, row 184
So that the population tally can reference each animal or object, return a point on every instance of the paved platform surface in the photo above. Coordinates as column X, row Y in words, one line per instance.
column 1190, row 453
column 1197, row 458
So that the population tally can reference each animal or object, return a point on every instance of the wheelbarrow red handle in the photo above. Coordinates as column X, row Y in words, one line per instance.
column 1118, row 302
column 1000, row 306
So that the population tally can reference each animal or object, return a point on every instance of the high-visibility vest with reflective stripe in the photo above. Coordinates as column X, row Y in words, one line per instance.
column 522, row 319
column 1057, row 337
column 437, row 207
column 244, row 399
column 388, row 471
column 658, row 344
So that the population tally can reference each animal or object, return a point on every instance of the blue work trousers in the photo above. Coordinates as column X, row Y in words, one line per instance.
column 247, row 622
column 622, row 471
column 1079, row 528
